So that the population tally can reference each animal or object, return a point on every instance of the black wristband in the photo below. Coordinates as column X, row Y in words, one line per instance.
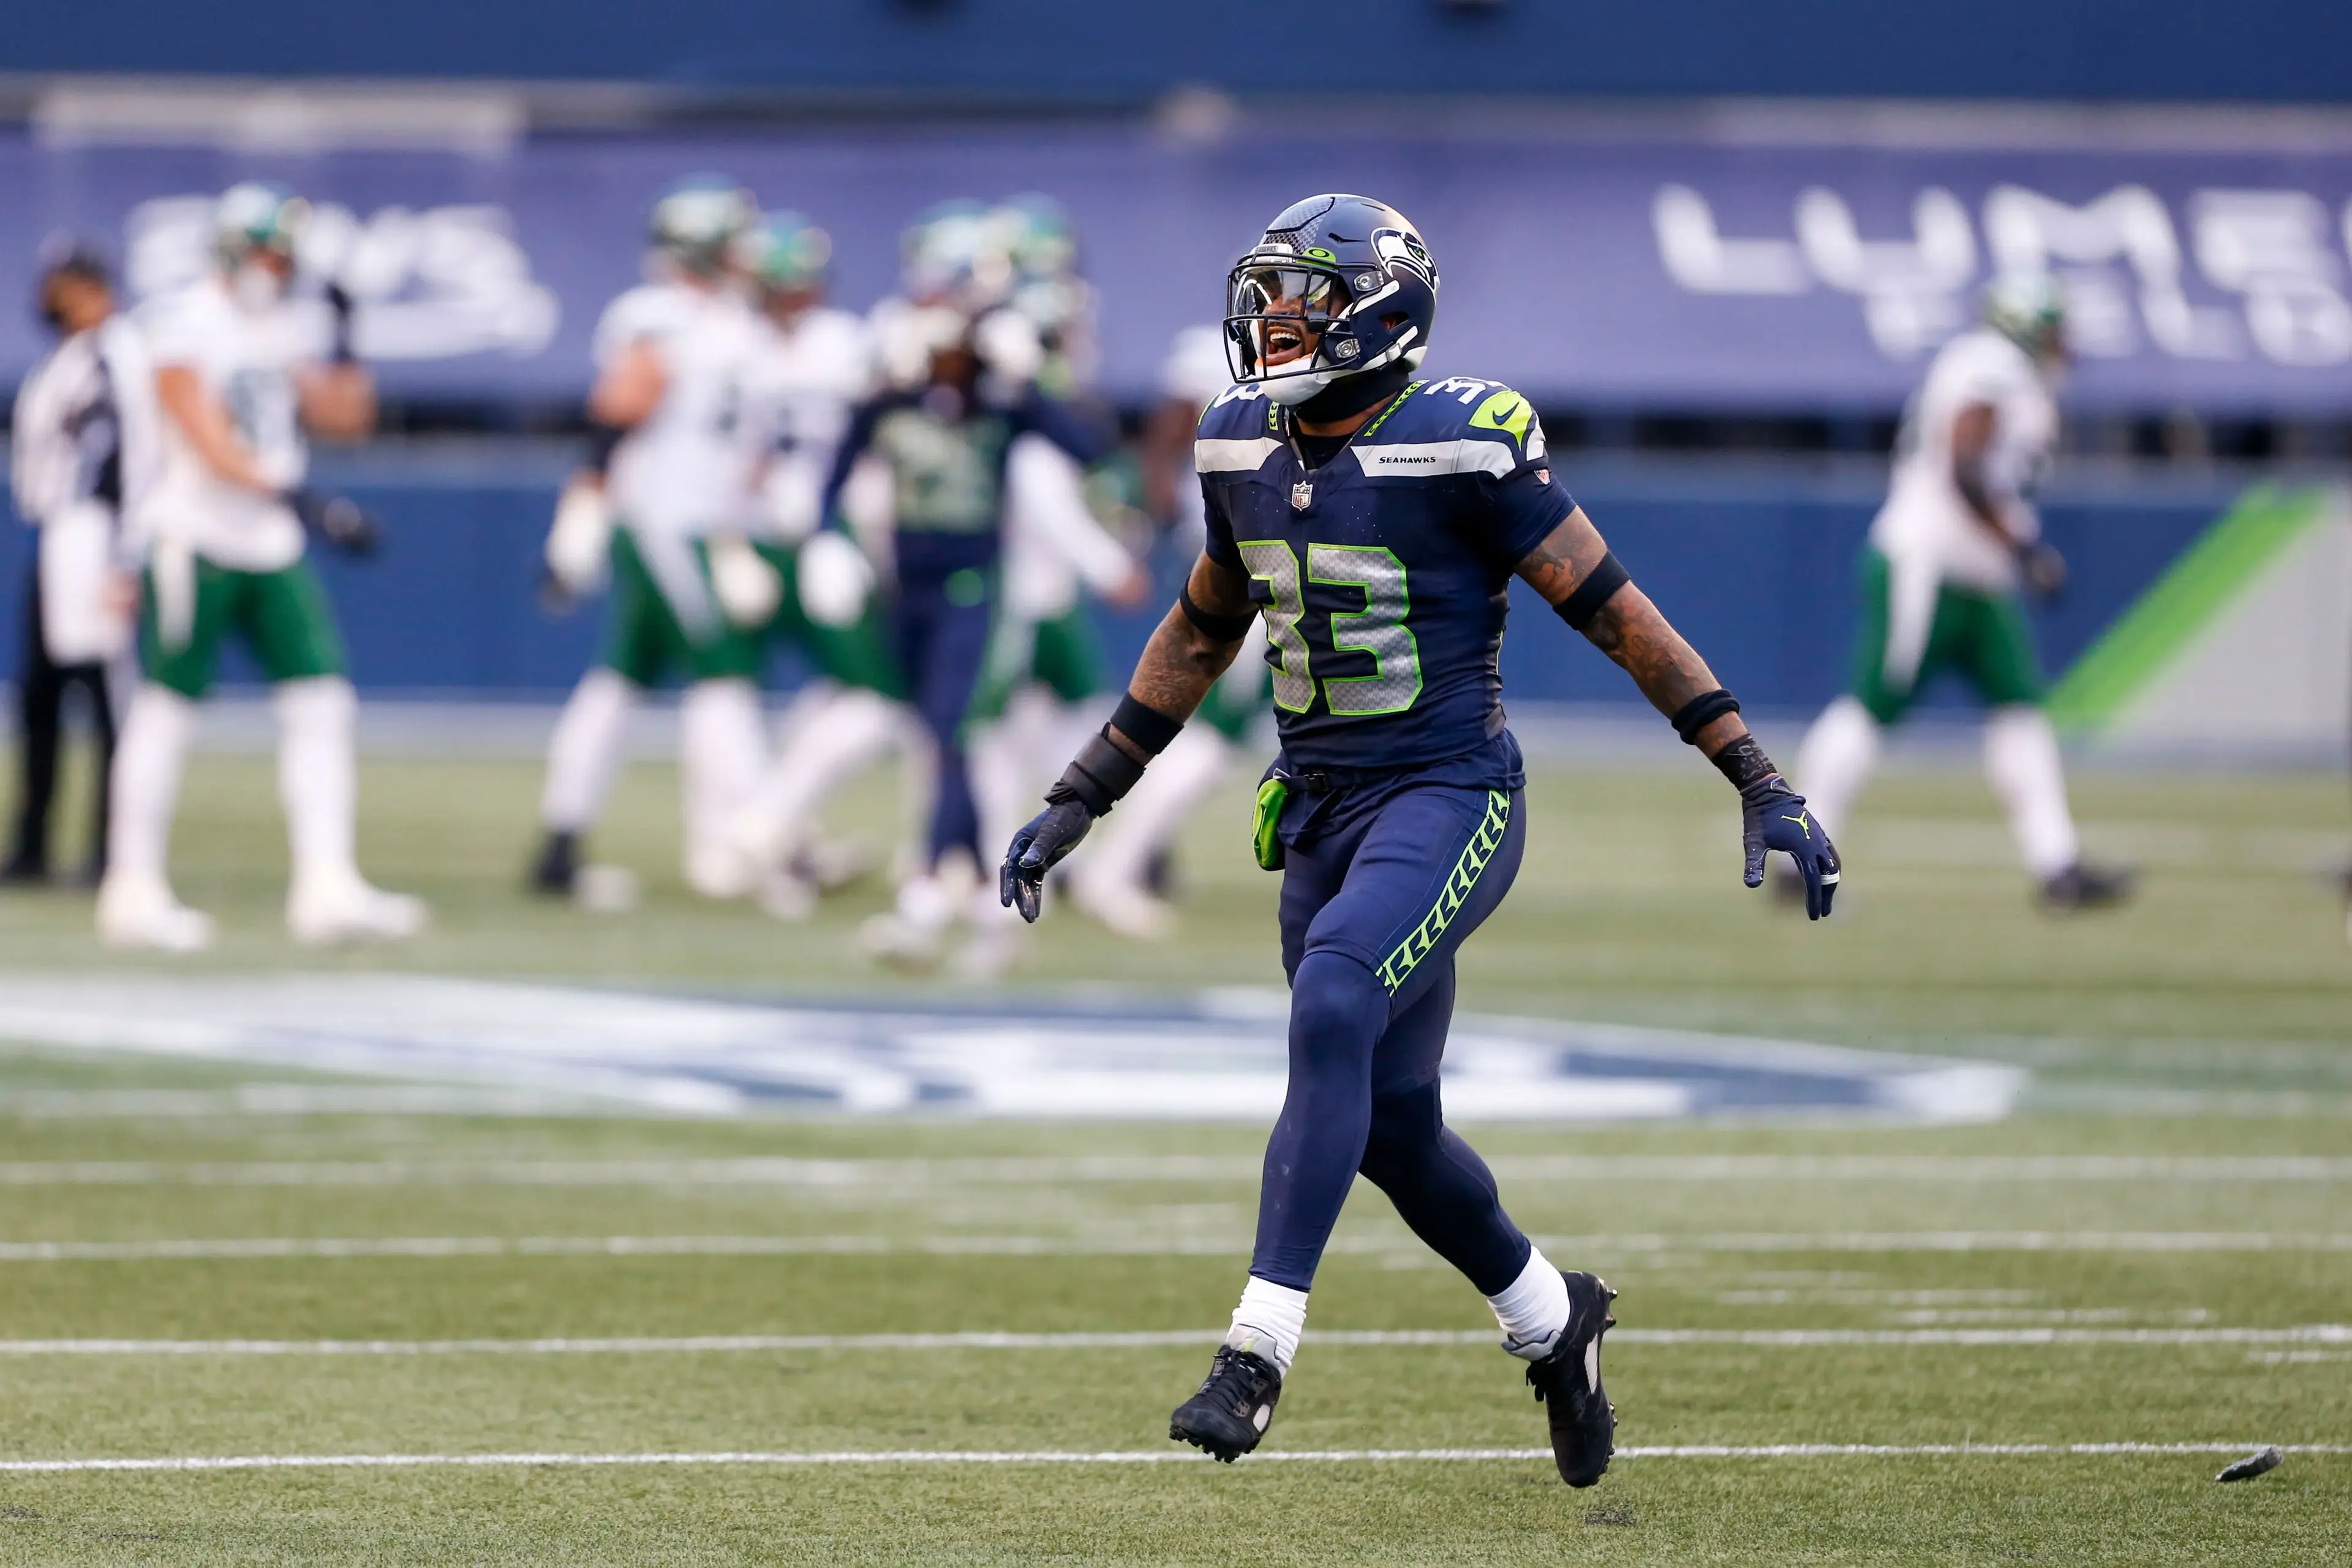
column 1099, row 776
column 1702, row 711
column 1145, row 726
column 602, row 440
column 1745, row 765
column 1224, row 628
column 1579, row 608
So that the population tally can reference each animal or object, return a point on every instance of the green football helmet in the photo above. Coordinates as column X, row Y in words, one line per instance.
column 2029, row 308
column 257, row 215
column 784, row 253
column 697, row 219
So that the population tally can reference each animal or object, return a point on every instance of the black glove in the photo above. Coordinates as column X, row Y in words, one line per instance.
column 2044, row 568
column 336, row 520
column 1774, row 817
column 339, row 301
column 1038, row 847
column 1093, row 782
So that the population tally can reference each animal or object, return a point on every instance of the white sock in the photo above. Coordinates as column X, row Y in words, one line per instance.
column 832, row 741
column 148, row 757
column 1836, row 759
column 720, row 752
column 584, row 753
column 1269, row 1322
column 1149, row 819
column 318, row 780
column 2021, row 761
column 919, row 769
column 1532, row 1310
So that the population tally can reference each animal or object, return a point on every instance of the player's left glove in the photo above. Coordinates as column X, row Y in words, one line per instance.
column 1093, row 782
column 338, row 519
column 1774, row 817
column 1040, row 846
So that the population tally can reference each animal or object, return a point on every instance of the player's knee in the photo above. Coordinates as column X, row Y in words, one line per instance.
column 1338, row 1009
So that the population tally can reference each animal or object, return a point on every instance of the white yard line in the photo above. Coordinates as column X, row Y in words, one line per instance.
column 1142, row 1244
column 1112, row 1169
column 1775, row 1338
column 1154, row 1457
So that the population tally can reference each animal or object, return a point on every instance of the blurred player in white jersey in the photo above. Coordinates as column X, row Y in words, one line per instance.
column 1120, row 878
column 241, row 373
column 1037, row 696
column 669, row 356
column 85, row 455
column 809, row 365
column 1950, row 553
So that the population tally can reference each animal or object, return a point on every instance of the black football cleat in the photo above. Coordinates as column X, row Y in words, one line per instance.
column 1568, row 1384
column 2081, row 886
column 557, row 867
column 1230, row 1413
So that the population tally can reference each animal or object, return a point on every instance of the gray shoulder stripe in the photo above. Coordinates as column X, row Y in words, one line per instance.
column 1225, row 457
column 1429, row 460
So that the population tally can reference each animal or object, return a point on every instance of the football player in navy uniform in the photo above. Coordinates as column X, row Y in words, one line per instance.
column 1374, row 521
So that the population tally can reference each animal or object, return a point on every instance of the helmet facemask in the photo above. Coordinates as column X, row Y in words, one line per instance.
column 1296, row 322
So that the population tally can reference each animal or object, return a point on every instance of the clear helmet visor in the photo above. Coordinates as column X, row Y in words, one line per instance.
column 1276, row 319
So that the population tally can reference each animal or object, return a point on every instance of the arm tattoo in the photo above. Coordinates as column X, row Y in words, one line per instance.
column 1628, row 628
column 1181, row 661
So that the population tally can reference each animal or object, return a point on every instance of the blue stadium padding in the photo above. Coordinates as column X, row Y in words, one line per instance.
column 450, row 605
column 1081, row 52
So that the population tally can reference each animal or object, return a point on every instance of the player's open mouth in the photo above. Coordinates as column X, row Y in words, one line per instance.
column 1284, row 343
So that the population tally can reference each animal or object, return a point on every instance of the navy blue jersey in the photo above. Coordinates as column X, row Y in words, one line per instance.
column 1383, row 575
column 946, row 456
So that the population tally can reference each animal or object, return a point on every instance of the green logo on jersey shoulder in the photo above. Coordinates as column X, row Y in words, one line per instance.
column 1506, row 411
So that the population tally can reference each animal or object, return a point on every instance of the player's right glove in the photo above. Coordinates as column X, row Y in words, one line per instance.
column 1774, row 817
column 338, row 519
column 1092, row 783
column 2043, row 569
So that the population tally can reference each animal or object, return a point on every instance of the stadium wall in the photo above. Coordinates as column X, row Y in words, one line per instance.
column 1624, row 265
column 1073, row 51
column 1755, row 561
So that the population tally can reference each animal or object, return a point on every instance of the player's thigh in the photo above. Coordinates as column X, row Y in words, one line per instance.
column 1884, row 699
column 1005, row 667
column 1068, row 659
column 184, row 610
column 1430, row 867
column 642, row 640
column 1995, row 652
column 287, row 621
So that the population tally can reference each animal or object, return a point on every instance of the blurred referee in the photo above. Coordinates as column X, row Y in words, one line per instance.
column 85, row 439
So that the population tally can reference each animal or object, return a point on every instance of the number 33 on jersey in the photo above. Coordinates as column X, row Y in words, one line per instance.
column 1384, row 574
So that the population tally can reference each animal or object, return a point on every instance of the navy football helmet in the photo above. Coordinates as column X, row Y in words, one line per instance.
column 1337, row 286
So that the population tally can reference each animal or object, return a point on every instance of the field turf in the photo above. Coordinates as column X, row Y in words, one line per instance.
column 2157, row 1250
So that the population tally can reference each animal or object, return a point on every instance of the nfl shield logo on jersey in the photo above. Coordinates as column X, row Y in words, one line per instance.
column 1302, row 495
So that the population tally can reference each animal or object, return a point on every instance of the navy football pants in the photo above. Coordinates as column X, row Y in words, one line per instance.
column 942, row 645
column 1372, row 910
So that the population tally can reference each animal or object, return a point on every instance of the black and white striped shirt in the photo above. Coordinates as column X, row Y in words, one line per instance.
column 86, row 428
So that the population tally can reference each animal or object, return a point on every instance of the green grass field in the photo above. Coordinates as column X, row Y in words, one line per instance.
column 2151, row 1252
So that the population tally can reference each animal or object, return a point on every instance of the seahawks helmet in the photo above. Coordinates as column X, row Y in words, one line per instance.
column 956, row 254
column 697, row 220
column 784, row 253
column 2029, row 308
column 1337, row 285
column 257, row 215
